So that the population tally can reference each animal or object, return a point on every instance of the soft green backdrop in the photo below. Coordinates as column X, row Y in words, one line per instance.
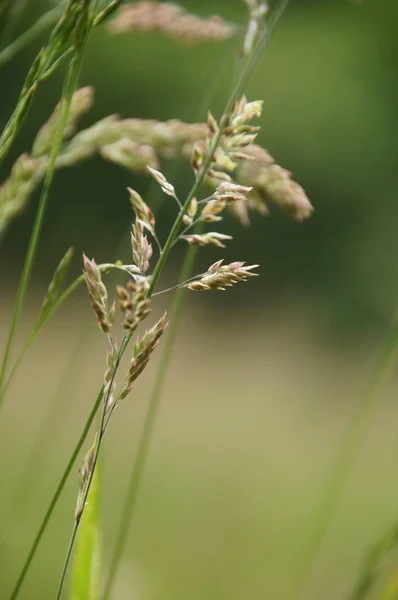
column 265, row 377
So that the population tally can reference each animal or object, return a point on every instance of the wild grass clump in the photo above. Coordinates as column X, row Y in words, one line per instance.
column 230, row 172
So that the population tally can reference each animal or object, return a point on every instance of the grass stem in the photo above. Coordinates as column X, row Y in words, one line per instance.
column 55, row 498
column 149, row 423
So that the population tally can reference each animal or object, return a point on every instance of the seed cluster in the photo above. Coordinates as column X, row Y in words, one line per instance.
column 212, row 238
column 149, row 16
column 98, row 295
column 142, row 249
column 143, row 350
column 136, row 144
column 219, row 276
column 133, row 302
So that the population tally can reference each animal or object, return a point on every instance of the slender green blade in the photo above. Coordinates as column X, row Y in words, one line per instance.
column 55, row 285
column 86, row 560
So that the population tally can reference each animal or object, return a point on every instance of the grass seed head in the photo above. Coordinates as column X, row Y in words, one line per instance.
column 219, row 276
column 130, row 155
column 167, row 188
column 212, row 238
column 142, row 210
column 142, row 249
column 98, row 294
column 143, row 350
column 133, row 302
column 149, row 16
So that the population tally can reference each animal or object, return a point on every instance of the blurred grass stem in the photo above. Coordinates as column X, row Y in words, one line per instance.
column 43, row 22
column 13, row 19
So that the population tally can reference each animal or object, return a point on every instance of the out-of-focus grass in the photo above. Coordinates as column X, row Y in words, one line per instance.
column 251, row 419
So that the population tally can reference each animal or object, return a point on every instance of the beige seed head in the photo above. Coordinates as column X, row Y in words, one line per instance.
column 98, row 294
column 133, row 302
column 162, row 181
column 212, row 238
column 142, row 210
column 130, row 155
column 149, row 16
column 196, row 158
column 213, row 207
column 143, row 350
column 219, row 276
column 142, row 249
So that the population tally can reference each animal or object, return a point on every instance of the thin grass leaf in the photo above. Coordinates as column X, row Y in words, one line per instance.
column 86, row 561
column 55, row 284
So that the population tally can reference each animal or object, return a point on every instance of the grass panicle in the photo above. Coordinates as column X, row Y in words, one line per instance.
column 136, row 144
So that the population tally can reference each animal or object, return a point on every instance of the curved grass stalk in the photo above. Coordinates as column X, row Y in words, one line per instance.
column 78, row 518
column 149, row 423
column 55, row 498
column 43, row 22
column 348, row 452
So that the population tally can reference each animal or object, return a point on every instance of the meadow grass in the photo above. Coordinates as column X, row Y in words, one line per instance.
column 225, row 158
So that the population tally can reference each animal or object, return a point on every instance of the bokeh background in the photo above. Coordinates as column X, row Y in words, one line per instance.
column 266, row 378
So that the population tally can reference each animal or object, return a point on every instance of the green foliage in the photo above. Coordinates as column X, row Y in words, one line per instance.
column 86, row 560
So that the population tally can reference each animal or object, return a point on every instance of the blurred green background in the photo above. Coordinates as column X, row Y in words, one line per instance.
column 266, row 377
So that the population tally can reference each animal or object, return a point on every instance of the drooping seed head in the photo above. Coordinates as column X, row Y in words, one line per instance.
column 142, row 210
column 98, row 294
column 212, row 238
column 219, row 276
column 142, row 249
column 143, row 350
column 167, row 188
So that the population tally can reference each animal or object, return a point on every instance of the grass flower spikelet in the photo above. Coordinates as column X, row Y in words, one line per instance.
column 143, row 350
